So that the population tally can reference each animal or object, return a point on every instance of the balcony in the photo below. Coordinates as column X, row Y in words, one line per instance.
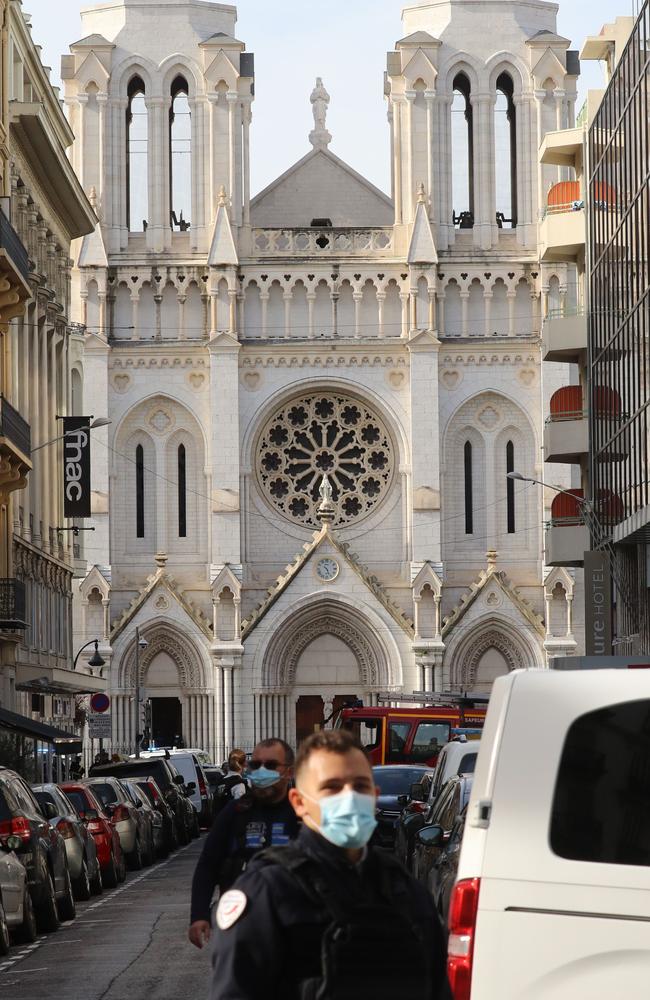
column 564, row 336
column 326, row 242
column 563, row 229
column 567, row 535
column 13, row 250
column 14, row 272
column 12, row 605
column 15, row 450
column 566, row 434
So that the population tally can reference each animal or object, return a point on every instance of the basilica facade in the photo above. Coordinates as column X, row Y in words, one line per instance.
column 316, row 392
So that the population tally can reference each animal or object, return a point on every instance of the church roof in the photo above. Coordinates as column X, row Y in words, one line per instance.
column 93, row 41
column 221, row 36
column 419, row 38
column 550, row 38
column 321, row 537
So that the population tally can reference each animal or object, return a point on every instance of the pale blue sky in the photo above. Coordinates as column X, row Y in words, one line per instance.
column 345, row 42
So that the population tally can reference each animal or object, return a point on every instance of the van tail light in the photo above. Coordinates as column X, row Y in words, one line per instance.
column 66, row 829
column 463, row 911
column 16, row 827
column 120, row 814
column 202, row 789
column 154, row 792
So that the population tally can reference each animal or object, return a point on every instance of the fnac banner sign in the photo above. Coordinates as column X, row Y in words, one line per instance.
column 76, row 466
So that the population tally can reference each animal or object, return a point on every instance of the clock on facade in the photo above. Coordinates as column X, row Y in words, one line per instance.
column 327, row 570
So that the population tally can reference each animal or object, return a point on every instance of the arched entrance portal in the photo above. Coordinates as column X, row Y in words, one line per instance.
column 326, row 657
column 164, row 697
column 490, row 650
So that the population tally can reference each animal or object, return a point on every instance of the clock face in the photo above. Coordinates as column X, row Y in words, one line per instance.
column 327, row 570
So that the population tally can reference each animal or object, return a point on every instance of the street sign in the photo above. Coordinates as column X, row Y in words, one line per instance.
column 76, row 467
column 100, row 703
column 99, row 726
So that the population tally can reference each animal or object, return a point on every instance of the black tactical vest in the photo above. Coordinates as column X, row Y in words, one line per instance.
column 368, row 950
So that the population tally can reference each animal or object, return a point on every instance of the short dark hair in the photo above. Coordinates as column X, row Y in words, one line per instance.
column 275, row 741
column 331, row 740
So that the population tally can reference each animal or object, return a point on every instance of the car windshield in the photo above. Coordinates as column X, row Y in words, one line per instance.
column 397, row 780
column 78, row 801
column 106, row 793
column 215, row 778
column 148, row 792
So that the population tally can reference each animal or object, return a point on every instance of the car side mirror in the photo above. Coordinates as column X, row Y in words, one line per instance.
column 418, row 793
column 178, row 779
column 191, row 786
column 402, row 800
column 49, row 810
column 431, row 836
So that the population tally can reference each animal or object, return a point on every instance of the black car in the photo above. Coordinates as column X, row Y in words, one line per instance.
column 444, row 871
column 395, row 784
column 158, row 802
column 168, row 780
column 42, row 850
column 435, row 836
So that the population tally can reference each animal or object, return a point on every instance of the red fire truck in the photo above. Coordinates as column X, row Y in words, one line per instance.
column 413, row 735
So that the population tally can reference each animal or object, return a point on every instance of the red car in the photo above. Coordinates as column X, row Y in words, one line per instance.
column 107, row 841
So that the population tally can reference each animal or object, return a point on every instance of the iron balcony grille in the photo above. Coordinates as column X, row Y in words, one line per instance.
column 15, row 428
column 10, row 241
column 12, row 604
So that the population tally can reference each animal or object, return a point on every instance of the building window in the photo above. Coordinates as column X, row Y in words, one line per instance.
column 182, row 492
column 139, row 491
column 469, row 490
column 137, row 169
column 510, row 467
column 505, row 140
column 180, row 157
column 462, row 146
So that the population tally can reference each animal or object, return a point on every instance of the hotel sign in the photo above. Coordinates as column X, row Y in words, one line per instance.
column 598, row 604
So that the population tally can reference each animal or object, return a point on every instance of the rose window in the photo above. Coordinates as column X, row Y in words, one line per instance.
column 319, row 435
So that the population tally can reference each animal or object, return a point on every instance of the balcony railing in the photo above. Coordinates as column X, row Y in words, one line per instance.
column 12, row 604
column 15, row 428
column 322, row 242
column 10, row 241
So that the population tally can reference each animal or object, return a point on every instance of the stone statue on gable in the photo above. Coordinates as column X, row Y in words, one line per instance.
column 320, row 138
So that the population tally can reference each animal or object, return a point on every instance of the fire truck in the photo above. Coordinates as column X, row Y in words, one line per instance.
column 412, row 729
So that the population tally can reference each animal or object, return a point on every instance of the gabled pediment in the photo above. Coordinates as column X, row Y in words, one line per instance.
column 549, row 67
column 420, row 67
column 422, row 249
column 92, row 70
column 221, row 68
column 226, row 579
column 490, row 593
column 156, row 595
column 419, row 38
column 427, row 577
column 95, row 579
column 223, row 251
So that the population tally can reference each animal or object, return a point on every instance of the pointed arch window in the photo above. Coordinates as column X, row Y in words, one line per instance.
column 462, row 151
column 180, row 156
column 505, row 139
column 139, row 491
column 510, row 467
column 469, row 489
column 182, row 492
column 137, row 159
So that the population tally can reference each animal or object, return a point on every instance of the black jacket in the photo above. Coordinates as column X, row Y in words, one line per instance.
column 240, row 830
column 276, row 943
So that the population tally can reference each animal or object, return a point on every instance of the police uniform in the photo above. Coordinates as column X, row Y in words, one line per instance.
column 241, row 830
column 306, row 924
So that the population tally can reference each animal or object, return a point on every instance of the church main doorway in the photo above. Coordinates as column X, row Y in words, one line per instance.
column 310, row 713
column 166, row 721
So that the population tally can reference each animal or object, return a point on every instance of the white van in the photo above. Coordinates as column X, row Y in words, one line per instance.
column 553, row 891
column 189, row 767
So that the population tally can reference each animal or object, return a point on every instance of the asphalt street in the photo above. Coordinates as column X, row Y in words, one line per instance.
column 128, row 944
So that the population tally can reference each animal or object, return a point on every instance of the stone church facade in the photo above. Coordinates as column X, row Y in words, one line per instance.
column 245, row 347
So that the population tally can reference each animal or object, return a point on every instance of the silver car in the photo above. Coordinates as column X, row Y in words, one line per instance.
column 83, row 863
column 16, row 907
column 153, row 817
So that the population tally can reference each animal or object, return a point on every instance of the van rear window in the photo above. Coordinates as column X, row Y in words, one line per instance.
column 601, row 807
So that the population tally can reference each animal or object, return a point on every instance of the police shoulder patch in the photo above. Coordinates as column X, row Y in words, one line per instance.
column 231, row 906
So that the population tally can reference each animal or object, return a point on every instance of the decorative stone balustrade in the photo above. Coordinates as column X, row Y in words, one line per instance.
column 323, row 242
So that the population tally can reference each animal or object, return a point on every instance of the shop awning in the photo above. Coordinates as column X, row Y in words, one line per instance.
column 64, row 743
column 55, row 680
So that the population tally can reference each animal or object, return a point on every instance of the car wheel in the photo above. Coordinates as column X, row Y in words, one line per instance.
column 28, row 931
column 67, row 908
column 97, row 884
column 110, row 877
column 82, row 884
column 5, row 941
column 135, row 857
column 47, row 915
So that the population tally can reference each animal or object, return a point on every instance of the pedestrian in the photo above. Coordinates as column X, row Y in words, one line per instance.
column 329, row 918
column 261, row 818
column 234, row 784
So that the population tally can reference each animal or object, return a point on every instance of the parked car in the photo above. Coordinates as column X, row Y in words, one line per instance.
column 196, row 784
column 103, row 832
column 394, row 783
column 16, row 908
column 443, row 873
column 214, row 777
column 168, row 780
column 123, row 815
column 553, row 890
column 85, row 870
column 150, row 831
column 434, row 836
column 158, row 802
column 41, row 850
column 458, row 757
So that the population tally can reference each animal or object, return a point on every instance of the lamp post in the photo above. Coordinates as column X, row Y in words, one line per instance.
column 95, row 660
column 140, row 644
column 99, row 422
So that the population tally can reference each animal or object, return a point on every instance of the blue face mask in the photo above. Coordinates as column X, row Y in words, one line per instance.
column 347, row 819
column 263, row 777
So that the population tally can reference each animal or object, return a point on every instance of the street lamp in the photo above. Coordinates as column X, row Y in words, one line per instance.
column 140, row 644
column 517, row 476
column 99, row 422
column 95, row 660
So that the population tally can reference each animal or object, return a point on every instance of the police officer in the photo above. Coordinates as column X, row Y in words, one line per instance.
column 261, row 818
column 329, row 918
